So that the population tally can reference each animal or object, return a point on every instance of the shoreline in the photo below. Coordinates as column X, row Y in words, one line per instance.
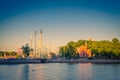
column 20, row 61
column 86, row 61
column 39, row 61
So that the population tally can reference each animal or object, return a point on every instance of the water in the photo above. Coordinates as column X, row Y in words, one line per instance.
column 60, row 71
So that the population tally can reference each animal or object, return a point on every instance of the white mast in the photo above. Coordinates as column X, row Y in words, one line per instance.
column 35, row 43
column 31, row 44
column 40, row 43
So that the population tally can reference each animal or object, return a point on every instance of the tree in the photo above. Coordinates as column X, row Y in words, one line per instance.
column 68, row 51
column 26, row 49
column 71, row 51
column 1, row 53
column 63, row 51
column 100, row 49
column 53, row 55
column 115, row 40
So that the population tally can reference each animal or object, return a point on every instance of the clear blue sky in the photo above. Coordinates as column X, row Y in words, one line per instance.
column 61, row 21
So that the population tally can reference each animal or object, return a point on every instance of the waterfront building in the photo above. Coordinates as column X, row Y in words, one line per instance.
column 84, row 51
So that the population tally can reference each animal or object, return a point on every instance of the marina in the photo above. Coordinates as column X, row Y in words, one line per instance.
column 59, row 39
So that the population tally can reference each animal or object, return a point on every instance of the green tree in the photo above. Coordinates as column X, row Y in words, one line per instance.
column 26, row 49
column 1, row 53
column 100, row 49
column 53, row 55
column 71, row 51
column 115, row 40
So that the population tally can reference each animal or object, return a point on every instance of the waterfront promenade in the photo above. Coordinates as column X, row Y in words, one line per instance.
column 86, row 61
column 19, row 61
column 38, row 61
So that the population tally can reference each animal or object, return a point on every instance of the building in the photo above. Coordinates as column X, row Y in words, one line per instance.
column 83, row 51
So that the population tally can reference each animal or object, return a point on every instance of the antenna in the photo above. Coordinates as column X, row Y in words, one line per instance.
column 90, row 38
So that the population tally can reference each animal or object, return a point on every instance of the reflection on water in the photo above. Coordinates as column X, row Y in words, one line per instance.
column 60, row 71
column 86, row 71
column 25, row 72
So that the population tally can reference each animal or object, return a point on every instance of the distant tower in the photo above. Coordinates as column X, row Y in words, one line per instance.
column 40, row 44
column 90, row 38
column 31, row 42
column 35, row 43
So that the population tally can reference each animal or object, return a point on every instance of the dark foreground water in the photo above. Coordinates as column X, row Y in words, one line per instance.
column 60, row 71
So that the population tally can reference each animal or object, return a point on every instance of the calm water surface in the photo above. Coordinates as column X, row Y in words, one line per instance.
column 60, row 71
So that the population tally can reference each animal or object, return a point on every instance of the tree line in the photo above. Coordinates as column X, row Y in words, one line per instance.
column 2, row 53
column 100, row 49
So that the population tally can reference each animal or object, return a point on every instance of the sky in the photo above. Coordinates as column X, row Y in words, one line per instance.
column 61, row 21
